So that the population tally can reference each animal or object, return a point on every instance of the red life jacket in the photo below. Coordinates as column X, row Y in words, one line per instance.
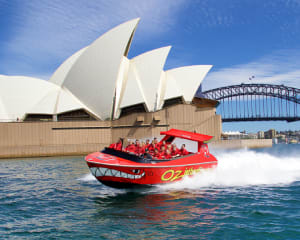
column 175, row 152
column 167, row 156
column 138, row 150
column 157, row 156
column 151, row 148
column 112, row 146
column 130, row 148
column 118, row 146
column 143, row 149
column 158, row 145
column 184, row 152
column 204, row 149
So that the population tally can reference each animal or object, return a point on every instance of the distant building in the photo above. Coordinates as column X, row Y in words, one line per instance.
column 252, row 136
column 281, row 138
column 270, row 134
column 293, row 141
column 261, row 135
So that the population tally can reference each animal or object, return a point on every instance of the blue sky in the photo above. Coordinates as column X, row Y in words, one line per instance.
column 240, row 38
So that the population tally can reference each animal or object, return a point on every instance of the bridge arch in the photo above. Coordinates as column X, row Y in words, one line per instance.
column 257, row 102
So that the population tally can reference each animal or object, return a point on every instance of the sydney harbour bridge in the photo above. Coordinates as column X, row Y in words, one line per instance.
column 256, row 102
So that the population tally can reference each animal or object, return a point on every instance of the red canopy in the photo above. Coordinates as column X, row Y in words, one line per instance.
column 187, row 135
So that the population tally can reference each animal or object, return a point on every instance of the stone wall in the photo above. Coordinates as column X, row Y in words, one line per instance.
column 241, row 143
column 34, row 139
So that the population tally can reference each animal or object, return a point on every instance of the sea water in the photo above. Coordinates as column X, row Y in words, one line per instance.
column 252, row 194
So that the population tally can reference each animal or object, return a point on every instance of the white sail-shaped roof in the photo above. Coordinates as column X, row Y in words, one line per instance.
column 58, row 77
column 149, row 70
column 93, row 76
column 101, row 80
column 67, row 102
column 121, row 85
column 3, row 114
column 20, row 94
column 46, row 105
column 57, row 101
column 188, row 80
column 171, row 88
column 144, row 79
column 133, row 92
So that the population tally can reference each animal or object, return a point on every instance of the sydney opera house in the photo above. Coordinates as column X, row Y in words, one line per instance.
column 100, row 87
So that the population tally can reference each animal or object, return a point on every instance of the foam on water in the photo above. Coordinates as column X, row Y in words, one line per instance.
column 87, row 178
column 245, row 168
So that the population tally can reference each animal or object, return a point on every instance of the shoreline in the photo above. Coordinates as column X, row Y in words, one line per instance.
column 241, row 143
column 83, row 150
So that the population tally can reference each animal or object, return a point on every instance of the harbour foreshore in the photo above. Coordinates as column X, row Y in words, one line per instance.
column 69, row 138
column 241, row 143
column 62, row 138
column 83, row 149
column 22, row 140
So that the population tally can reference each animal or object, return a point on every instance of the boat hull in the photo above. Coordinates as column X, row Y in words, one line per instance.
column 123, row 173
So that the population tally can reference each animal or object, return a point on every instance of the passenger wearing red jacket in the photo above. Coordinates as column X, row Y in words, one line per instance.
column 162, row 150
column 204, row 149
column 117, row 146
column 183, row 151
column 156, row 143
column 130, row 147
column 175, row 151
column 161, row 144
column 148, row 144
column 169, row 147
column 113, row 145
column 138, row 148
column 152, row 148
column 157, row 154
column 143, row 146
column 167, row 154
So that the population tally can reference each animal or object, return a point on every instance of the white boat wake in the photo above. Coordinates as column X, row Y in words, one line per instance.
column 245, row 168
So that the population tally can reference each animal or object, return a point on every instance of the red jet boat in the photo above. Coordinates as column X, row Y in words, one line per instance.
column 125, row 170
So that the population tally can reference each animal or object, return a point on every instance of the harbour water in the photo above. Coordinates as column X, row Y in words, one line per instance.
column 253, row 194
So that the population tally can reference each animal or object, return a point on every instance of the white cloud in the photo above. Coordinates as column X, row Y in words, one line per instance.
column 50, row 31
column 282, row 67
column 55, row 27
column 46, row 32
